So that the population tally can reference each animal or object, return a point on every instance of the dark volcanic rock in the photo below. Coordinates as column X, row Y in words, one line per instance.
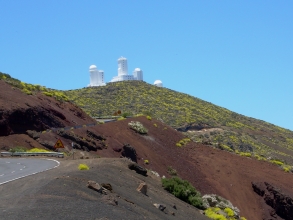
column 194, row 127
column 138, row 169
column 129, row 152
column 281, row 203
column 79, row 142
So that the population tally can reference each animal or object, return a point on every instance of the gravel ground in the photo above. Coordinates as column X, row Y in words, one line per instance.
column 62, row 193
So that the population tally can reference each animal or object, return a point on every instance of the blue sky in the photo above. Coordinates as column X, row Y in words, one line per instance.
column 235, row 54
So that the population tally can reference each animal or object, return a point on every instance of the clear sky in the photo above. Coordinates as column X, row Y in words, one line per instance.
column 235, row 54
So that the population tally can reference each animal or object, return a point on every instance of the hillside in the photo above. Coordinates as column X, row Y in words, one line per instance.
column 29, row 114
column 200, row 120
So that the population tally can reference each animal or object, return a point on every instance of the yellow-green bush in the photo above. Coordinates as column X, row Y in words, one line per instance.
column 48, row 94
column 26, row 91
column 245, row 154
column 149, row 117
column 259, row 157
column 212, row 213
column 277, row 162
column 225, row 147
column 34, row 150
column 287, row 168
column 146, row 161
column 229, row 212
column 83, row 166
column 183, row 142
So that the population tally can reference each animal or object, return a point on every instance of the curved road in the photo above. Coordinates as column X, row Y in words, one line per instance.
column 13, row 169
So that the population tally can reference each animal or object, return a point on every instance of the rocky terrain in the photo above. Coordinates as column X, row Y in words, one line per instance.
column 259, row 189
column 63, row 193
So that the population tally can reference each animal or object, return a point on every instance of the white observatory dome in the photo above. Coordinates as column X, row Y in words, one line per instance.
column 136, row 69
column 158, row 83
column 93, row 67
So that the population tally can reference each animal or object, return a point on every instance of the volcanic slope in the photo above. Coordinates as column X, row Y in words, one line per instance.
column 205, row 122
column 210, row 170
column 20, row 112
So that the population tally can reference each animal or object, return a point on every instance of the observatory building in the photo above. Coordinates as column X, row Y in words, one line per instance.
column 96, row 76
column 123, row 72
column 158, row 83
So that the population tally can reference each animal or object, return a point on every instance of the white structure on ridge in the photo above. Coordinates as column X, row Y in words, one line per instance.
column 96, row 76
column 122, row 66
column 137, row 74
column 123, row 72
column 158, row 83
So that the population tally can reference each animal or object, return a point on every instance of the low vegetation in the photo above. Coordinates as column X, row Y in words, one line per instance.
column 31, row 89
column 34, row 150
column 183, row 142
column 83, row 166
column 138, row 127
column 183, row 190
column 172, row 171
column 236, row 132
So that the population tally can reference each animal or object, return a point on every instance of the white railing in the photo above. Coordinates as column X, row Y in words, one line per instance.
column 49, row 154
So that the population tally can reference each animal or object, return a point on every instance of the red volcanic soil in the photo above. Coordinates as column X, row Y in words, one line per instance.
column 209, row 170
column 20, row 112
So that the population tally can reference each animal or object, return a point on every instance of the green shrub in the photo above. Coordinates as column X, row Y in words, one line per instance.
column 126, row 114
column 146, row 161
column 156, row 125
column 120, row 119
column 183, row 190
column 83, row 166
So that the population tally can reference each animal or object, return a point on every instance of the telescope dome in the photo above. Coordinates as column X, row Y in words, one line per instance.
column 158, row 83
column 93, row 67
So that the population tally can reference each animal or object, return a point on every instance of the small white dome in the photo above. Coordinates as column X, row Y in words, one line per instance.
column 93, row 67
column 136, row 69
column 158, row 83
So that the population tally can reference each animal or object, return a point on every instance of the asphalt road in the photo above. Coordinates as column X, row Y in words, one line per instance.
column 13, row 169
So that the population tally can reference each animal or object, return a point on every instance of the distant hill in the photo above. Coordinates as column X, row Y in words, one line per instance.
column 202, row 121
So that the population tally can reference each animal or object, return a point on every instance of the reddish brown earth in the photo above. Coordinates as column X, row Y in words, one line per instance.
column 209, row 170
column 20, row 112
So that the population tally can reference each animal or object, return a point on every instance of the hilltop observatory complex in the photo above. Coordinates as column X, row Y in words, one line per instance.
column 97, row 76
